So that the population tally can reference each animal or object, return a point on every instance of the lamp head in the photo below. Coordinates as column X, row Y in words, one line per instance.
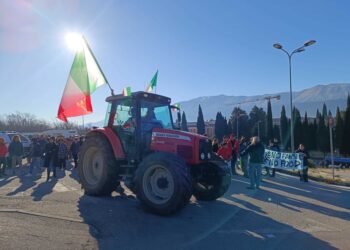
column 309, row 43
column 277, row 46
column 299, row 50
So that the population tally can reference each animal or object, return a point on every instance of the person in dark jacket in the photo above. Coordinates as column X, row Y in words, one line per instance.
column 256, row 151
column 273, row 145
column 35, row 154
column 215, row 145
column 51, row 157
column 244, row 159
column 16, row 152
column 235, row 152
column 74, row 149
column 303, row 173
column 62, row 153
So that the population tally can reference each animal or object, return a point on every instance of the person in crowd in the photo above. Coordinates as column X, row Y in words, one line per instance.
column 43, row 140
column 215, row 145
column 244, row 159
column 62, row 153
column 51, row 157
column 273, row 145
column 304, row 172
column 256, row 151
column 36, row 154
column 225, row 150
column 3, row 154
column 16, row 152
column 235, row 151
column 74, row 149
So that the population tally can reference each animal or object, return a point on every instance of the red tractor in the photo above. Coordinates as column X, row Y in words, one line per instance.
column 139, row 145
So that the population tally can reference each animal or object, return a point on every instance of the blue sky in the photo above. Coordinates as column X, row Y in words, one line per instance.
column 200, row 48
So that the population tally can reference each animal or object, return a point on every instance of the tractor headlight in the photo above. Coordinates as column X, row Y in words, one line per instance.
column 209, row 156
column 202, row 156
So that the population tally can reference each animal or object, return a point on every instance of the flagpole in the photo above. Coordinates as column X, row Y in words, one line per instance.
column 98, row 65
column 83, row 122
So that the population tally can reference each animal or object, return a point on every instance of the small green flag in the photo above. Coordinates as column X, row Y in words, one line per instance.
column 127, row 91
column 153, row 83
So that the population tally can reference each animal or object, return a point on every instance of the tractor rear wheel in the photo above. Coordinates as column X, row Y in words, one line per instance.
column 163, row 183
column 210, row 180
column 97, row 167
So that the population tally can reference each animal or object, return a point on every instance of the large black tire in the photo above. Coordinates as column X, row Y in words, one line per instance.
column 210, row 180
column 163, row 183
column 97, row 166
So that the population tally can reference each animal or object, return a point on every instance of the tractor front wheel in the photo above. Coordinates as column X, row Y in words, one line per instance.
column 210, row 180
column 97, row 167
column 163, row 183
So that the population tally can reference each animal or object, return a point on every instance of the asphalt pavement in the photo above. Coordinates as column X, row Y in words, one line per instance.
column 284, row 214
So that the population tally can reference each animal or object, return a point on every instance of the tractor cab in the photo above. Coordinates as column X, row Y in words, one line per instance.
column 134, row 117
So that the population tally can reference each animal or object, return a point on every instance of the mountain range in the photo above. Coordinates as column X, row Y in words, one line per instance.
column 307, row 100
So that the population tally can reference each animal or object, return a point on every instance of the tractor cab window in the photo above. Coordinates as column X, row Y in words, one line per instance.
column 120, row 113
column 156, row 113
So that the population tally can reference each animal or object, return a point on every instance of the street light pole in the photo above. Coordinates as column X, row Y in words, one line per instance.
column 291, row 104
column 298, row 50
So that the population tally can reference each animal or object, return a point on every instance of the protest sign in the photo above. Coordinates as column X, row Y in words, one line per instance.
column 280, row 160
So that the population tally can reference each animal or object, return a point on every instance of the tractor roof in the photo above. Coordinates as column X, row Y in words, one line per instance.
column 140, row 95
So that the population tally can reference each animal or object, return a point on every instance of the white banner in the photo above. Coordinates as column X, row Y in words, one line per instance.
column 280, row 160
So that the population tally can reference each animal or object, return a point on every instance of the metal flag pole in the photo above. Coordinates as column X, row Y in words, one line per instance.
column 98, row 65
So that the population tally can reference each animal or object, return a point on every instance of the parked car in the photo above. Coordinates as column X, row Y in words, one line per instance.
column 8, row 135
column 340, row 161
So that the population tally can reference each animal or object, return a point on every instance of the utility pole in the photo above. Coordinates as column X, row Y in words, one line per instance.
column 277, row 97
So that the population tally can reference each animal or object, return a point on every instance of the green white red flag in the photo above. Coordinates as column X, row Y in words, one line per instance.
column 84, row 78
column 127, row 91
column 153, row 83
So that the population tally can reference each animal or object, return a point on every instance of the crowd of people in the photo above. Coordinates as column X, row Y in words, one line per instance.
column 249, row 155
column 46, row 151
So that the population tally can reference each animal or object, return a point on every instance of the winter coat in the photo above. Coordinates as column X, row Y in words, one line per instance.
column 62, row 151
column 215, row 147
column 235, row 148
column 225, row 151
column 3, row 150
column 74, row 148
column 15, row 149
column 306, row 156
column 256, row 153
column 36, row 149
column 51, row 154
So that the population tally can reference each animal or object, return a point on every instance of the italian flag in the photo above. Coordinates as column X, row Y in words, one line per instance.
column 84, row 78
column 153, row 83
column 127, row 91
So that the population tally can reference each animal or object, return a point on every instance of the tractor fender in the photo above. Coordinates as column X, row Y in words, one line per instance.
column 113, row 140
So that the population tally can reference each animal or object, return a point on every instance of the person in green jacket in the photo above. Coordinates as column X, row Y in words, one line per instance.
column 256, row 151
column 16, row 152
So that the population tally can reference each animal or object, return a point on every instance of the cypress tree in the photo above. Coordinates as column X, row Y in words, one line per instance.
column 269, row 125
column 276, row 133
column 339, row 129
column 184, row 122
column 321, row 134
column 345, row 149
column 324, row 110
column 285, row 134
column 200, row 122
column 219, row 126
column 305, row 131
column 298, row 129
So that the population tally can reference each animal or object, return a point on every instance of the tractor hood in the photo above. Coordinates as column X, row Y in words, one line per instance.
column 176, row 135
column 193, row 148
